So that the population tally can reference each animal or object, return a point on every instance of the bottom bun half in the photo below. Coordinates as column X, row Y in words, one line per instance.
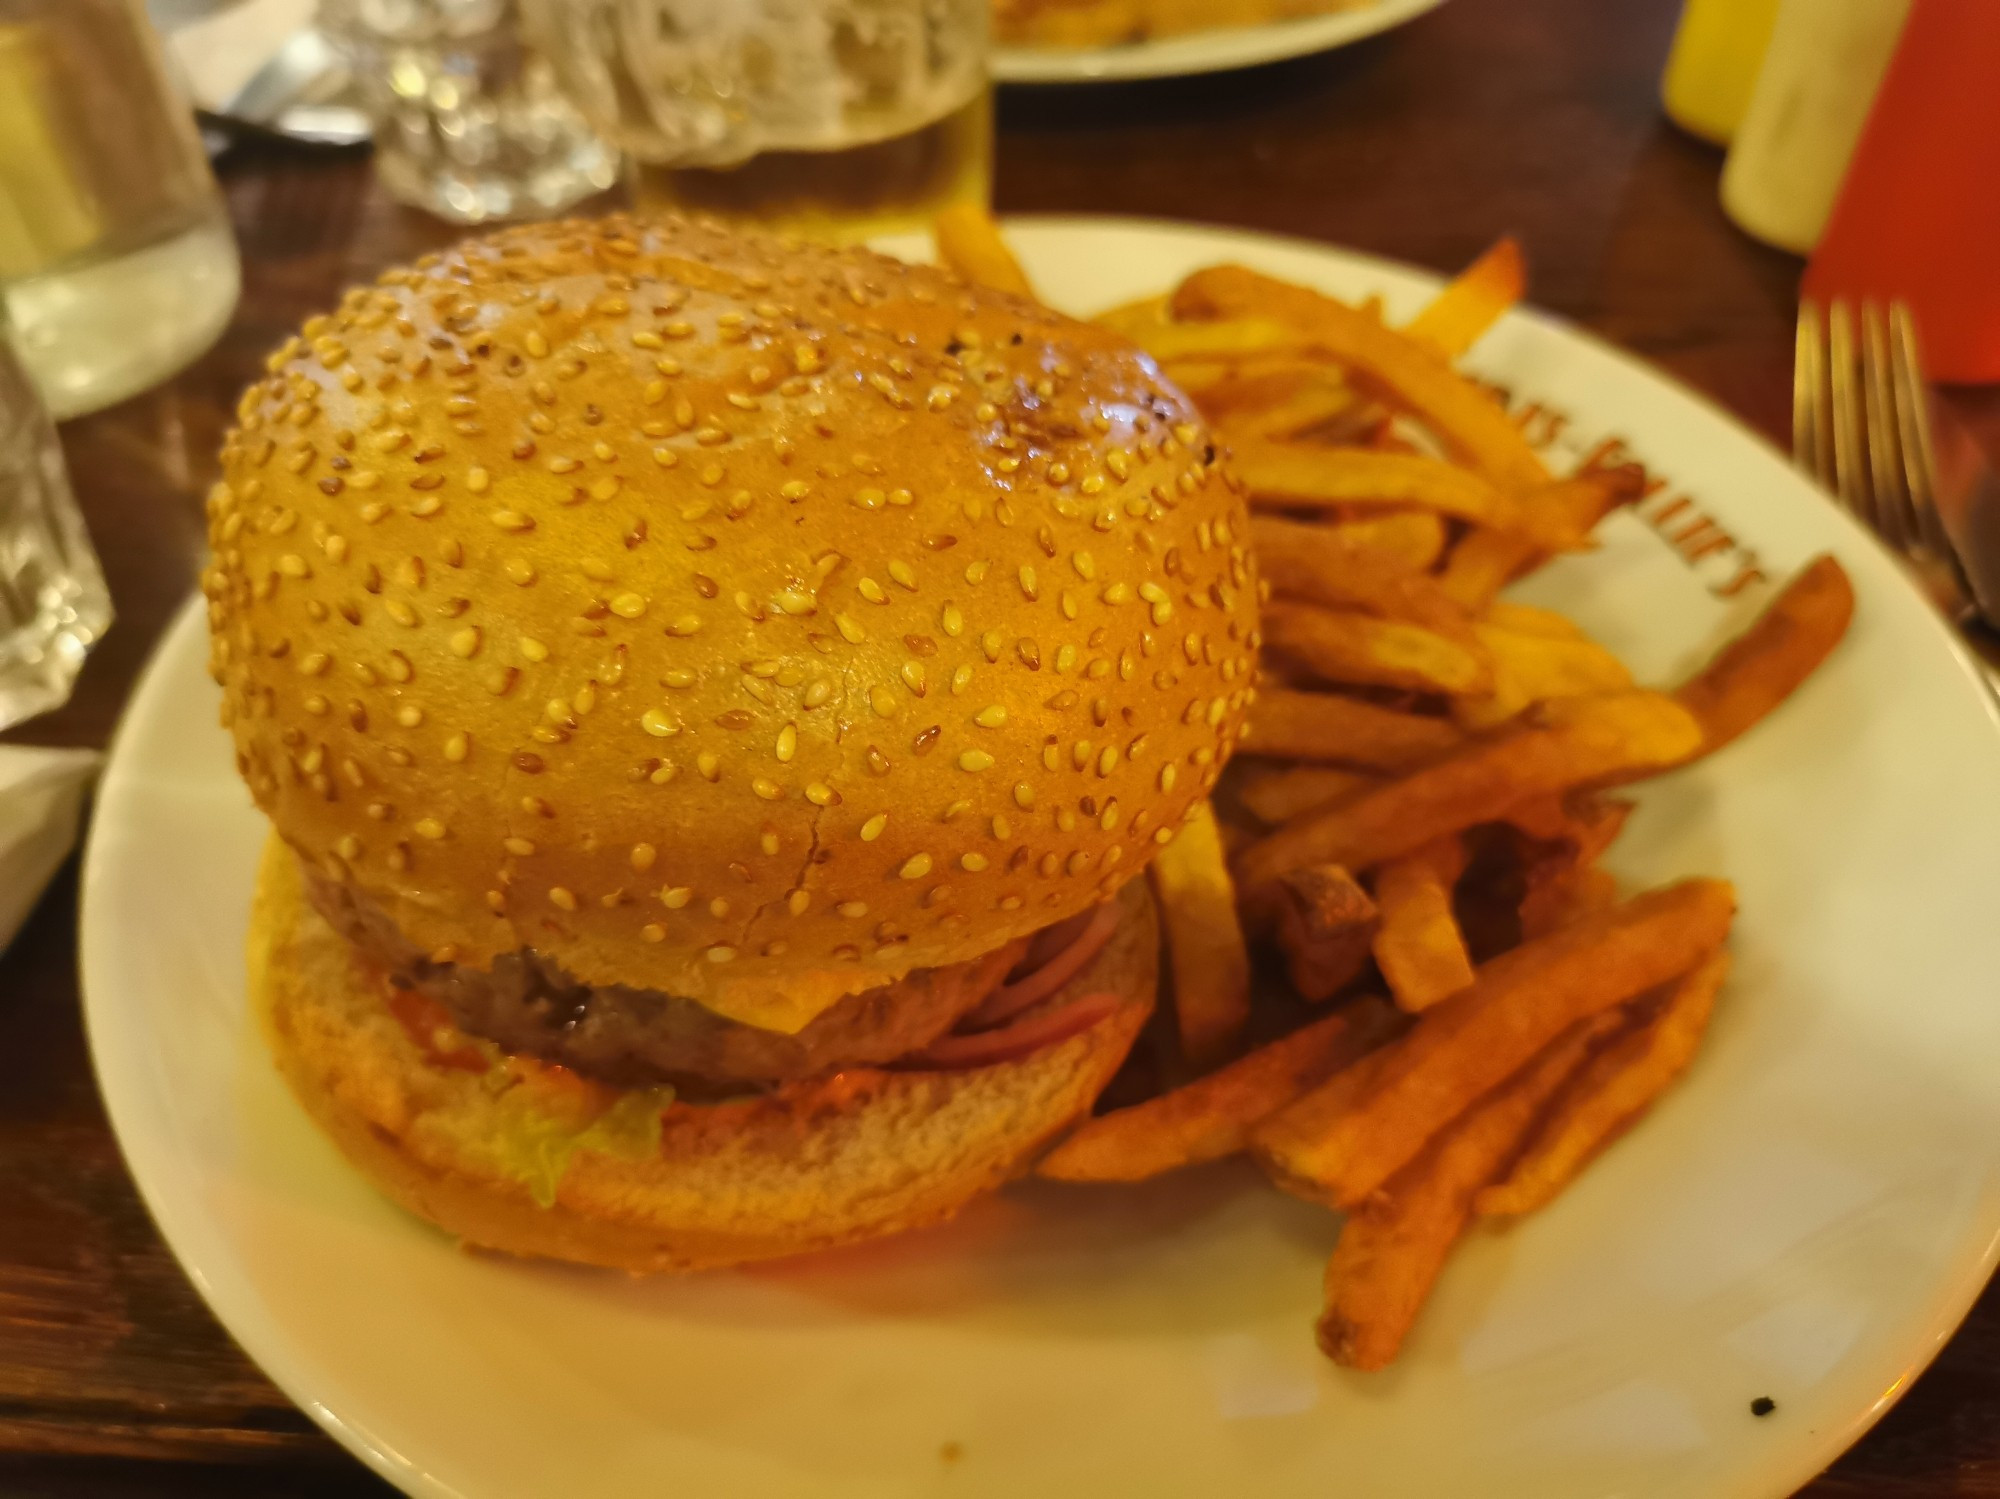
column 506, row 1157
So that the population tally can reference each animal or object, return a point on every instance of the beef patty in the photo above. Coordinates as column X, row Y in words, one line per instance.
column 528, row 1004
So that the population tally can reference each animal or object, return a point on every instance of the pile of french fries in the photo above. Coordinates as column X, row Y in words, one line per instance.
column 1412, row 831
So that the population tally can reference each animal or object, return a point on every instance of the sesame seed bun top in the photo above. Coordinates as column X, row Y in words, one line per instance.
column 718, row 615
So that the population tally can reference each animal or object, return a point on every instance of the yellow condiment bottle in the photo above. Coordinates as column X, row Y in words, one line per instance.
column 1713, row 66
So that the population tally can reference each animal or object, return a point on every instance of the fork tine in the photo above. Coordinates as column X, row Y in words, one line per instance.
column 1913, row 419
column 1808, row 393
column 1886, row 471
column 1850, row 476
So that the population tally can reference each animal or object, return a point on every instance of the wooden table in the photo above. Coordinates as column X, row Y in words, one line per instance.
column 1531, row 116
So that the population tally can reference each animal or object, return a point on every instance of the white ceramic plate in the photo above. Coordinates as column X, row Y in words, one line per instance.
column 1807, row 1217
column 1203, row 51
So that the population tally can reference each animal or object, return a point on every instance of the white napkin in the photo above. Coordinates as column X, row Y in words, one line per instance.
column 41, row 792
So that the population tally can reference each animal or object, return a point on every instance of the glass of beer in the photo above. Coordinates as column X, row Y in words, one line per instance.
column 837, row 119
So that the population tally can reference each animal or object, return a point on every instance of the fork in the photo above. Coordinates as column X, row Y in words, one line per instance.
column 1861, row 426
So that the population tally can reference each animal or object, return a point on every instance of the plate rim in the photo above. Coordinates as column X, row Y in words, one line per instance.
column 1196, row 54
column 235, row 1303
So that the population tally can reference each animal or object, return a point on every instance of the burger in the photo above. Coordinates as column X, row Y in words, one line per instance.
column 714, row 698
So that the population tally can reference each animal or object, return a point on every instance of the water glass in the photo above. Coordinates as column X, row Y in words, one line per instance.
column 53, row 602
column 469, row 122
column 838, row 118
column 117, row 263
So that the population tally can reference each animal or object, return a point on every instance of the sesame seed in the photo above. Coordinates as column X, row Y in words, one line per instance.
column 850, row 631
column 536, row 345
column 660, row 724
column 853, row 910
column 961, row 678
column 628, row 606
column 721, row 954
column 872, row 591
column 992, row 716
column 511, row 520
column 409, row 715
column 770, row 791
column 975, row 760
column 975, row 572
column 883, row 701
column 788, row 742
column 673, row 897
column 797, row 902
column 465, row 643
column 913, row 676
column 652, row 931
column 915, row 867
column 709, row 764
column 430, row 827
column 685, row 624
column 822, row 795
column 872, row 828
column 951, row 621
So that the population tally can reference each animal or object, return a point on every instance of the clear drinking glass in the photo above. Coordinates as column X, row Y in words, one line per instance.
column 116, row 259
column 840, row 118
column 469, row 122
column 53, row 602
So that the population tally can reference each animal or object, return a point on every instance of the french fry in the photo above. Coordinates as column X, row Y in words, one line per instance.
column 1487, row 559
column 1530, row 669
column 1413, row 537
column 1575, row 742
column 1518, row 1003
column 1135, row 318
column 1562, row 891
column 1212, row 1116
column 1525, row 619
column 1233, row 338
column 1767, row 663
column 1224, row 383
column 1585, row 822
column 1307, row 408
column 1474, row 301
column 1343, row 645
column 1204, row 939
column 1326, row 922
column 1464, row 418
column 1392, row 1248
column 1326, row 726
column 1418, row 945
column 1318, row 564
column 1610, row 1092
column 1279, row 793
column 1295, row 476
column 969, row 242
column 1549, row 666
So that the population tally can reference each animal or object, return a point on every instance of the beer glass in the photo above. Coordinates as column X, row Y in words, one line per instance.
column 835, row 118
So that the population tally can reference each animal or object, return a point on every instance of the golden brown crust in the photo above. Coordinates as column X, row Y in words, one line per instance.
column 701, row 610
column 861, row 1154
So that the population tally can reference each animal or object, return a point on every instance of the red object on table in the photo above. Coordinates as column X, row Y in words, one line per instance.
column 1918, row 216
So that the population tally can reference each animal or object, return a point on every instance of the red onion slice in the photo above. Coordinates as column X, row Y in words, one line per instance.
column 985, row 1048
column 1010, row 1000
